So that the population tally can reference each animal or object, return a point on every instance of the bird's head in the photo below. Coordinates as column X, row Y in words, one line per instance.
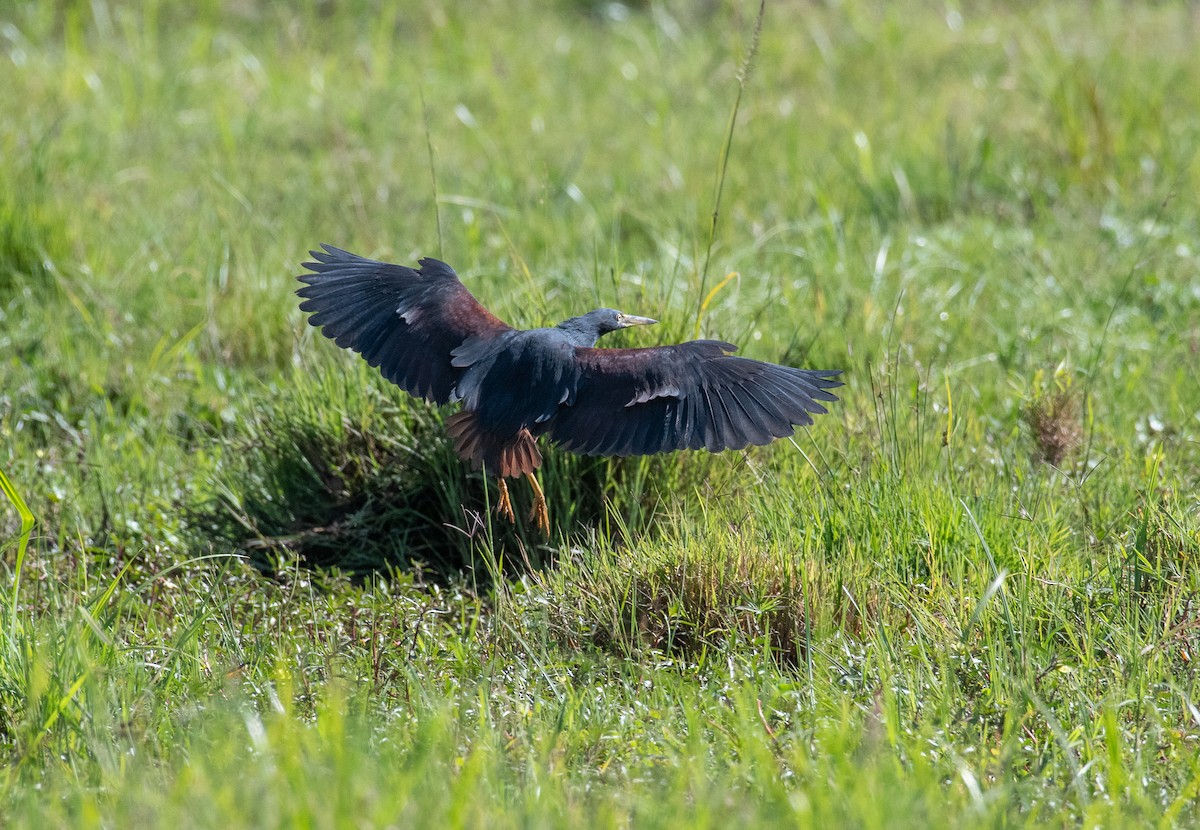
column 588, row 328
column 611, row 320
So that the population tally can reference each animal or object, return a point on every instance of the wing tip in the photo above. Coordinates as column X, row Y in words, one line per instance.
column 432, row 267
column 331, row 250
column 322, row 259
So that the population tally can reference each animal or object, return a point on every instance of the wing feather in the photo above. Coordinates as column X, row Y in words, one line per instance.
column 750, row 416
column 775, row 415
column 404, row 321
column 723, row 433
column 693, row 395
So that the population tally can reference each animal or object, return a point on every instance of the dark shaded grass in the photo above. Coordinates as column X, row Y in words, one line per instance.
column 31, row 239
column 344, row 471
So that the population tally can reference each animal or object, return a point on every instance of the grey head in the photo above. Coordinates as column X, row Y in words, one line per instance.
column 586, row 329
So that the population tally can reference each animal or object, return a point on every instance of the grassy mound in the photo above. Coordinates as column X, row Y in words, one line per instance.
column 343, row 470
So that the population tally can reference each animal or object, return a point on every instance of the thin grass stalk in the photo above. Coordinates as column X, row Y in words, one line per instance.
column 433, row 180
column 743, row 76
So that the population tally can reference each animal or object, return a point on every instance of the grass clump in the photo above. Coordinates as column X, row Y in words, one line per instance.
column 338, row 468
column 1052, row 415
column 714, row 593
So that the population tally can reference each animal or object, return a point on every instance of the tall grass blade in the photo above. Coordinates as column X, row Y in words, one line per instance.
column 27, row 523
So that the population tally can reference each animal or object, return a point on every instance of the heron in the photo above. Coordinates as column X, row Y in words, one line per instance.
column 427, row 334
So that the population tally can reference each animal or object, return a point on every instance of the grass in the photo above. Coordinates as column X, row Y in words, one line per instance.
column 260, row 590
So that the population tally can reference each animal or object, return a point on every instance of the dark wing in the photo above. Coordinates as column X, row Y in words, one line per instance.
column 691, row 396
column 405, row 321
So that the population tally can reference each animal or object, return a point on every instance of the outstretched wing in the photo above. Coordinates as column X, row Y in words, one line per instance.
column 405, row 321
column 694, row 395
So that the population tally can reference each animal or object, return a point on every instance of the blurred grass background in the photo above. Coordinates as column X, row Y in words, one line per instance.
column 261, row 590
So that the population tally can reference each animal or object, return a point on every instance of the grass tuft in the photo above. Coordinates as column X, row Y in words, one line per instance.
column 340, row 470
column 1052, row 415
column 686, row 600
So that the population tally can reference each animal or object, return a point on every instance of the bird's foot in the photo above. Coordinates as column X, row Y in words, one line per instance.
column 504, row 505
column 539, row 515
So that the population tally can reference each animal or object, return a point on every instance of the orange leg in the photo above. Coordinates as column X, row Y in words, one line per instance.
column 539, row 513
column 504, row 506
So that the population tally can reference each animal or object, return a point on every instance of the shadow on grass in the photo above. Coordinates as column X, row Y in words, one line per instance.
column 344, row 472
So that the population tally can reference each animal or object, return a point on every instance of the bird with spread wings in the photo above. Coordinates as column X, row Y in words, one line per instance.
column 427, row 334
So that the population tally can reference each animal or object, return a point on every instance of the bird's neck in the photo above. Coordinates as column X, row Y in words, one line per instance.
column 581, row 331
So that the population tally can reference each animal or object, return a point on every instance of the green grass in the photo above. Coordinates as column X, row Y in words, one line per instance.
column 261, row 591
